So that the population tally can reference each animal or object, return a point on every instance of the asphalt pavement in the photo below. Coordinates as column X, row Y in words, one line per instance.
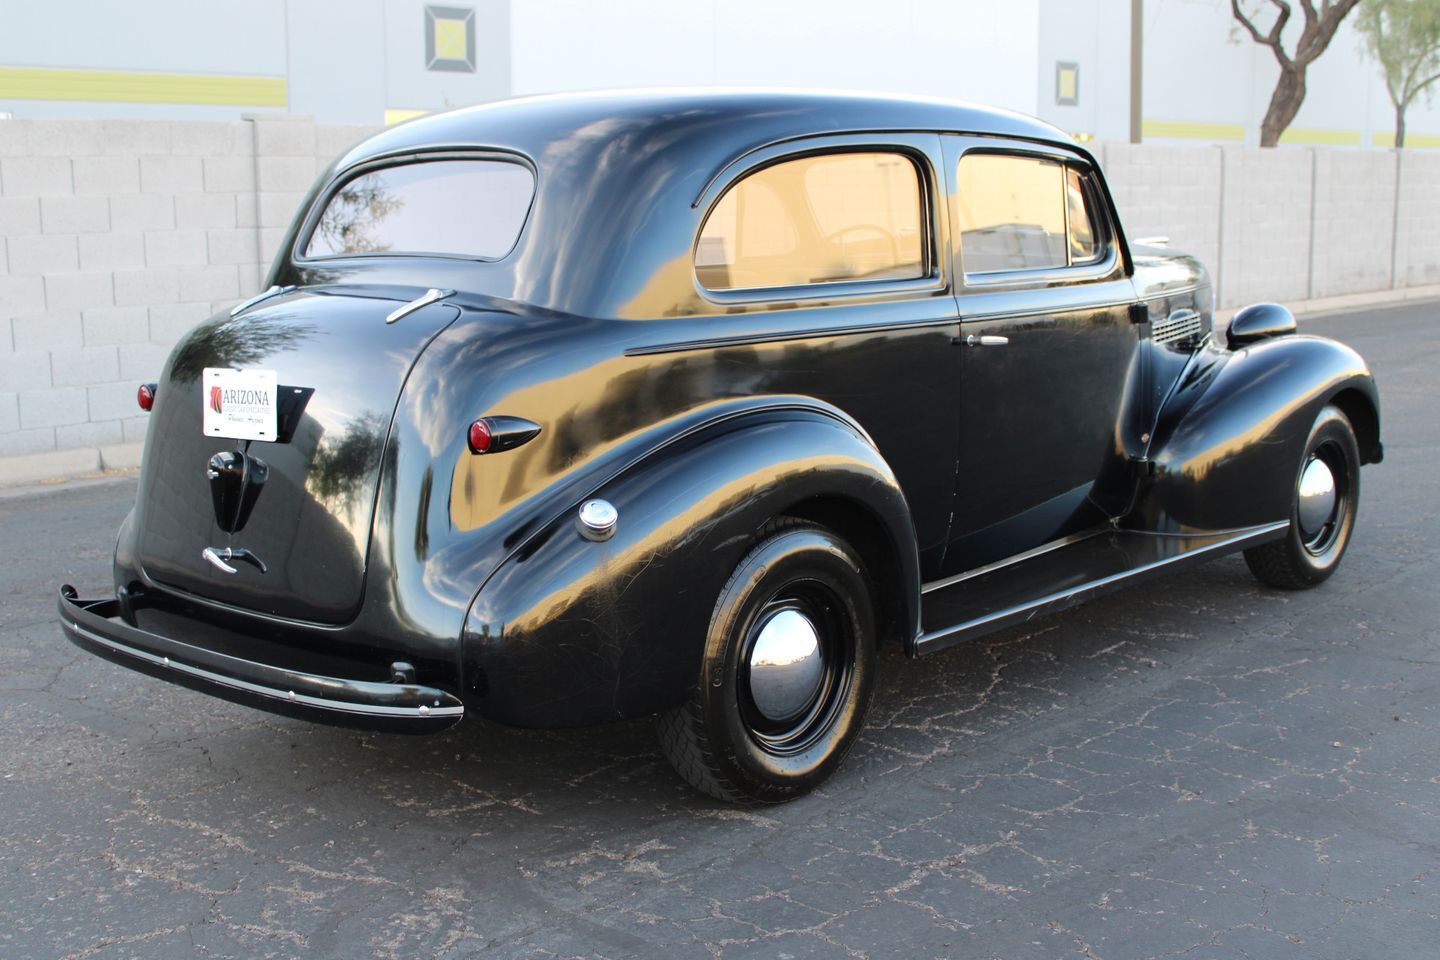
column 1199, row 767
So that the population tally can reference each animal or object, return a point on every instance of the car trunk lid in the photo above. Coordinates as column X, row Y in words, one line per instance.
column 340, row 367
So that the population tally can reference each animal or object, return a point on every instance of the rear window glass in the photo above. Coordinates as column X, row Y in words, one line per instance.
column 467, row 208
column 819, row 219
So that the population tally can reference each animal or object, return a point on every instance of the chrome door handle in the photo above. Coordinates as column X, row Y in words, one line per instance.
column 985, row 341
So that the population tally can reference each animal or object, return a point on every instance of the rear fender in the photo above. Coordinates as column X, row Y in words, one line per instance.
column 571, row 631
column 1229, row 440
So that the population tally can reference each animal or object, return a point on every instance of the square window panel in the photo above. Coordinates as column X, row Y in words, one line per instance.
column 450, row 39
column 1067, row 84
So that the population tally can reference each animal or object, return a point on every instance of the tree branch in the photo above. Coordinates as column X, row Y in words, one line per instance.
column 1319, row 33
column 1420, row 87
column 1282, row 17
column 1408, row 79
column 1272, row 40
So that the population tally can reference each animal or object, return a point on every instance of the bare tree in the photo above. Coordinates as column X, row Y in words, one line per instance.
column 1319, row 30
column 1404, row 35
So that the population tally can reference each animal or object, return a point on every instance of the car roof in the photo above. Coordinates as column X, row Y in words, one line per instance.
column 727, row 118
column 620, row 176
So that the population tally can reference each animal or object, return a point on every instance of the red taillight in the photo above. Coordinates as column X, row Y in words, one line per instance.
column 480, row 437
column 145, row 396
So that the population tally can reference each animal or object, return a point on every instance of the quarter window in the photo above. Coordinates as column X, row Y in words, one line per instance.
column 467, row 208
column 820, row 219
column 1084, row 245
column 1023, row 213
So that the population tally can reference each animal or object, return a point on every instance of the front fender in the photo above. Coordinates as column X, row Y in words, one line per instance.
column 569, row 631
column 1228, row 442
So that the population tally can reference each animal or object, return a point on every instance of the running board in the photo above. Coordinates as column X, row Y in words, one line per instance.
column 1049, row 581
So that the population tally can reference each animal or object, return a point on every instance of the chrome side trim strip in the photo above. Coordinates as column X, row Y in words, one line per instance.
column 1044, row 548
column 428, row 297
column 1254, row 533
column 289, row 696
column 1162, row 294
column 275, row 291
column 1075, row 307
column 812, row 333
column 779, row 336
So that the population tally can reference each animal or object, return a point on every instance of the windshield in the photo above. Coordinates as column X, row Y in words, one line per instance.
column 467, row 208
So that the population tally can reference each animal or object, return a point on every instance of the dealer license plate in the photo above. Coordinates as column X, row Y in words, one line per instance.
column 239, row 404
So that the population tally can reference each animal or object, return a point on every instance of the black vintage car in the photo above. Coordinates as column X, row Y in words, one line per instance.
column 569, row 409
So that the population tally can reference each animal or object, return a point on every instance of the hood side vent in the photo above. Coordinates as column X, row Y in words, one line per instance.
column 1181, row 325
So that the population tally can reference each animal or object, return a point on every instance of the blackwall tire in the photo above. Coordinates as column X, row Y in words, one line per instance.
column 787, row 673
column 1312, row 548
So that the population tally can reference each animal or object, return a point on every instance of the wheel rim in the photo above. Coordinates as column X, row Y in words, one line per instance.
column 796, row 666
column 1322, row 498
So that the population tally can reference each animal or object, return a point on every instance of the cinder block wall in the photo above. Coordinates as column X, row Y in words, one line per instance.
column 116, row 236
column 1286, row 225
column 1167, row 192
column 1417, row 248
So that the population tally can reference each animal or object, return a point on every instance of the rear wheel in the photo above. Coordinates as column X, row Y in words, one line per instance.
column 787, row 672
column 1322, row 513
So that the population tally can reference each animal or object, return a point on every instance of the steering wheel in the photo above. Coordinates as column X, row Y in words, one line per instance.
column 885, row 234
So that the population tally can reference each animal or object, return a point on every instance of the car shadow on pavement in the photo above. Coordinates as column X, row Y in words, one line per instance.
column 940, row 720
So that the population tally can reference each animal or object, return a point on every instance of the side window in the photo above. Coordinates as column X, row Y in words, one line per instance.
column 1023, row 213
column 1084, row 244
column 820, row 219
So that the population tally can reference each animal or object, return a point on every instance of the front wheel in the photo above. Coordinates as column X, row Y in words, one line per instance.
column 787, row 672
column 1322, row 512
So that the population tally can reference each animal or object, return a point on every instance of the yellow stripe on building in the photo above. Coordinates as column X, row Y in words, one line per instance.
column 1186, row 130
column 1317, row 135
column 136, row 86
column 394, row 116
column 1425, row 140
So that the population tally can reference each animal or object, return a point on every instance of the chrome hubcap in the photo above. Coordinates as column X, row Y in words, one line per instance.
column 786, row 665
column 1317, row 498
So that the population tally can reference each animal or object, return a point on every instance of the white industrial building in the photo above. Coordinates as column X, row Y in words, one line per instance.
column 369, row 61
column 156, row 150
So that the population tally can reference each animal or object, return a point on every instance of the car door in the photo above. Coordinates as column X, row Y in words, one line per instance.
column 1049, row 351
column 831, row 257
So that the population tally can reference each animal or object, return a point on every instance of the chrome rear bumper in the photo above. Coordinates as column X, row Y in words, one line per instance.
column 96, row 626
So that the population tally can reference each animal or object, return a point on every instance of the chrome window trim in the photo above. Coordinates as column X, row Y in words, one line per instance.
column 1090, row 270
